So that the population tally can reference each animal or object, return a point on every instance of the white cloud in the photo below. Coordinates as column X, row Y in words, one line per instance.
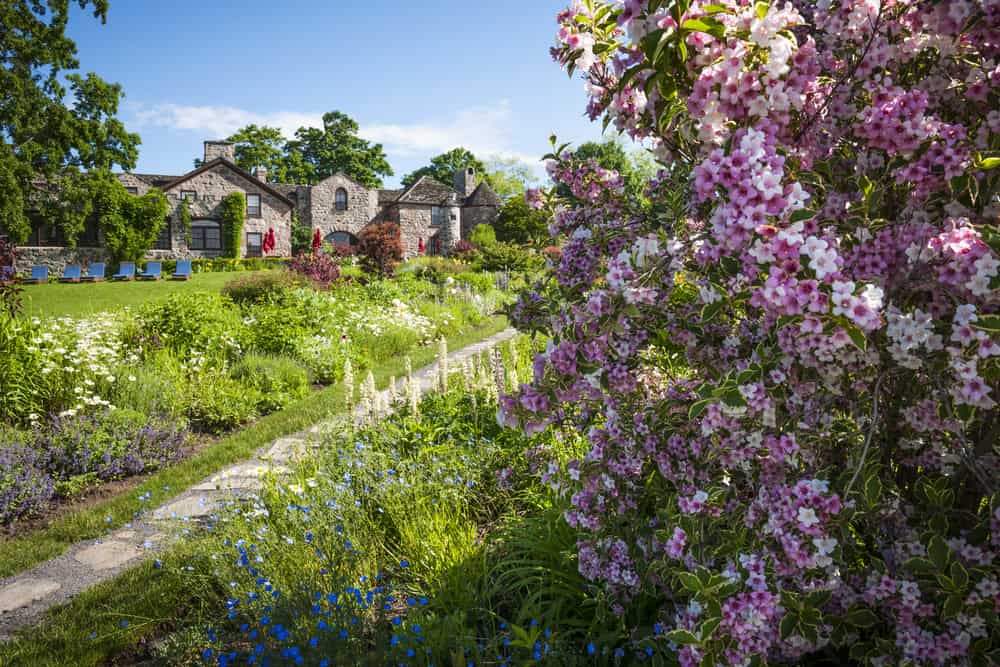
column 484, row 130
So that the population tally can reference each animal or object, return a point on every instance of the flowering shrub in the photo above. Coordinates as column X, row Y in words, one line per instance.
column 317, row 267
column 787, row 372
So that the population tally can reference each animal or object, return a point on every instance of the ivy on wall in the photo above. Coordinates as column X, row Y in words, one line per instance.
column 233, row 214
column 130, row 224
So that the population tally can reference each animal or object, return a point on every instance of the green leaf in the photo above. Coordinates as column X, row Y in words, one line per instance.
column 858, row 337
column 789, row 624
column 818, row 598
column 690, row 581
column 920, row 565
column 861, row 618
column 709, row 627
column 939, row 552
column 873, row 490
column 699, row 407
column 989, row 322
column 802, row 215
column 734, row 399
column 683, row 637
column 953, row 605
column 959, row 575
column 705, row 24
column 710, row 310
column 989, row 163
column 716, row 9
column 761, row 8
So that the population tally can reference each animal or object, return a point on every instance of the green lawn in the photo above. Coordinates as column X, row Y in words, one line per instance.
column 60, row 300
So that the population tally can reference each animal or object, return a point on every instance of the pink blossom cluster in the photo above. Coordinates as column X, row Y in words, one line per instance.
column 786, row 358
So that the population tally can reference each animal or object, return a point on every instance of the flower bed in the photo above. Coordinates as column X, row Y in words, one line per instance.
column 192, row 363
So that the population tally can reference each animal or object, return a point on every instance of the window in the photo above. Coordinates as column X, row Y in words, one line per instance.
column 132, row 190
column 341, row 199
column 206, row 234
column 89, row 237
column 189, row 195
column 435, row 215
column 163, row 239
column 253, row 205
column 255, row 244
column 341, row 238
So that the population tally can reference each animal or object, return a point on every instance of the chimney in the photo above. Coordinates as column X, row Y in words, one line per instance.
column 260, row 173
column 465, row 181
column 217, row 149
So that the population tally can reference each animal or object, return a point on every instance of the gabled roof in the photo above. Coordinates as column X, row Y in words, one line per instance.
column 427, row 191
column 345, row 176
column 240, row 172
column 483, row 195
column 154, row 180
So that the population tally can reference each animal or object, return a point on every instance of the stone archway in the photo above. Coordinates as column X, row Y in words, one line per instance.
column 341, row 238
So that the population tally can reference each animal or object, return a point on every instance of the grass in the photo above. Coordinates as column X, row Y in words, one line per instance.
column 26, row 551
column 62, row 299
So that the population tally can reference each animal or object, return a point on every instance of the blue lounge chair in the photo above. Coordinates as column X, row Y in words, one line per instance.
column 39, row 275
column 126, row 271
column 71, row 274
column 95, row 273
column 183, row 270
column 153, row 271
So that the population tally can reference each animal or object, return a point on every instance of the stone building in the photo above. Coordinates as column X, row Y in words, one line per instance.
column 430, row 214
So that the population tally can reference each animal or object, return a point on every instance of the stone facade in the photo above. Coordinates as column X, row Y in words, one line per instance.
column 429, row 213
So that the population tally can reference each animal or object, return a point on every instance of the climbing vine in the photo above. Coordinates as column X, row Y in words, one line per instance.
column 234, row 209
column 130, row 223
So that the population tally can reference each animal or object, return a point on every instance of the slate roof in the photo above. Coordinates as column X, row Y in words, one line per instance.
column 483, row 195
column 267, row 187
column 155, row 180
column 427, row 191
column 388, row 196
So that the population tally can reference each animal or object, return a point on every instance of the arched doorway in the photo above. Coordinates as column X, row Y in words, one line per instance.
column 344, row 243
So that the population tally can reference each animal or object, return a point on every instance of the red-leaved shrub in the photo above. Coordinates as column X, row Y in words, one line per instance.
column 381, row 248
column 318, row 267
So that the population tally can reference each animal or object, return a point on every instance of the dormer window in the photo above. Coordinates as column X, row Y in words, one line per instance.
column 189, row 195
column 341, row 199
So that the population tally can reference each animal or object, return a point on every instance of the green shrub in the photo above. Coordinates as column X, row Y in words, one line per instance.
column 195, row 322
column 482, row 236
column 217, row 402
column 258, row 287
column 278, row 326
column 277, row 381
column 507, row 257
column 480, row 282
column 433, row 268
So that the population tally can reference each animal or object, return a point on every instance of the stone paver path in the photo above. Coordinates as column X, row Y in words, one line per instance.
column 24, row 597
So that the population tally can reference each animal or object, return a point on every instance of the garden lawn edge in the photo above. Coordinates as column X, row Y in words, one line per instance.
column 26, row 551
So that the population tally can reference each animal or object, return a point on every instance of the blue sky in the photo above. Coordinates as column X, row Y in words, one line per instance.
column 419, row 77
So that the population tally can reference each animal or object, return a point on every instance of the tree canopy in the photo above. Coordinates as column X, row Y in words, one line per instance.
column 317, row 153
column 442, row 167
column 519, row 223
column 261, row 146
column 42, row 136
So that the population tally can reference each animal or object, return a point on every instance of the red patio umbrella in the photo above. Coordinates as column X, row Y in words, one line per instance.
column 420, row 246
column 317, row 240
column 269, row 240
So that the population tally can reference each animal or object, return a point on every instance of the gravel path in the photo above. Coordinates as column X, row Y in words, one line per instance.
column 25, row 596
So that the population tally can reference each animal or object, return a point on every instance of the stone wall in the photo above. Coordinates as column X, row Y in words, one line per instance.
column 132, row 181
column 321, row 211
column 212, row 187
column 415, row 224
column 477, row 215
column 57, row 258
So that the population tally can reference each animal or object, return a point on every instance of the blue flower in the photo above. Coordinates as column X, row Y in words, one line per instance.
column 207, row 653
column 404, row 564
column 591, row 649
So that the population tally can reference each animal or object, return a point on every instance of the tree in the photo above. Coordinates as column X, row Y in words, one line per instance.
column 317, row 153
column 443, row 167
column 130, row 224
column 261, row 146
column 41, row 138
column 520, row 223
column 509, row 177
column 786, row 377
column 482, row 236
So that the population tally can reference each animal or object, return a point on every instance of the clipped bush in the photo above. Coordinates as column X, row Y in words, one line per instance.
column 233, row 215
column 278, row 381
column 507, row 257
column 259, row 287
column 380, row 248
